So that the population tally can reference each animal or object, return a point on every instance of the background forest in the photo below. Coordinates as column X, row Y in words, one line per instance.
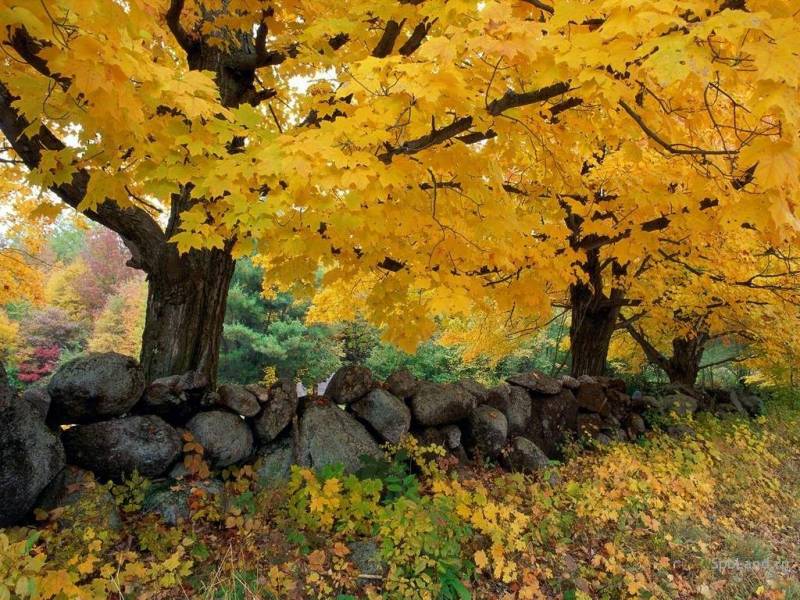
column 91, row 301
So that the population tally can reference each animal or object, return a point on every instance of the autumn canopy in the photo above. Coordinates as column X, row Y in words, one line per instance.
column 633, row 162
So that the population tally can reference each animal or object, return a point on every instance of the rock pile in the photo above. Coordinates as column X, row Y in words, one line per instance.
column 97, row 415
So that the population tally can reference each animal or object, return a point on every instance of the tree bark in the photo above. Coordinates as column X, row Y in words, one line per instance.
column 594, row 318
column 186, row 303
column 684, row 364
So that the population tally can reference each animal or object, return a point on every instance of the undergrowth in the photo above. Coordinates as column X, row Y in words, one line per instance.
column 714, row 514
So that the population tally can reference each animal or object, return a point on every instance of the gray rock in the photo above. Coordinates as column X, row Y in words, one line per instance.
column 366, row 557
column 329, row 436
column 569, row 382
column 402, row 384
column 39, row 399
column 488, row 430
column 682, row 404
column 115, row 449
column 592, row 396
column 636, row 425
column 448, row 436
column 238, row 399
column 175, row 398
column 752, row 404
column 171, row 501
column 680, row 431
column 452, row 436
column 79, row 497
column 385, row 413
column 260, row 392
column 515, row 403
column 553, row 419
column 589, row 425
column 277, row 412
column 601, row 439
column 226, row 438
column 476, row 389
column 526, row 457
column 349, row 383
column 274, row 462
column 441, row 404
column 536, row 381
column 30, row 458
column 94, row 387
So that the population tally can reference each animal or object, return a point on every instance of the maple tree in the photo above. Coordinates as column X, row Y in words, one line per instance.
column 435, row 158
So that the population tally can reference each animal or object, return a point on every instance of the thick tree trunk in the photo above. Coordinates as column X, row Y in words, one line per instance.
column 684, row 364
column 185, row 312
column 594, row 318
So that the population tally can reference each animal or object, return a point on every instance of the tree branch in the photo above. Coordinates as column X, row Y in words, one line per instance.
column 436, row 136
column 512, row 99
column 173, row 18
column 671, row 148
column 140, row 232
column 386, row 43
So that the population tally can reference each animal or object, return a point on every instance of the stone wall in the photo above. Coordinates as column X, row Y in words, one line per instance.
column 97, row 415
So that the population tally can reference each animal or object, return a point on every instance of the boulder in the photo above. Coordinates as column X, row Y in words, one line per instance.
column 553, row 419
column 515, row 403
column 274, row 462
column 401, row 383
column 329, row 436
column 115, row 449
column 569, row 382
column 30, row 457
column 452, row 436
column 260, row 392
column 636, row 425
column 488, row 430
column 592, row 397
column 349, row 383
column 441, row 404
column 39, row 399
column 175, row 398
column 752, row 404
column 536, row 381
column 385, row 413
column 589, row 425
column 94, row 387
column 238, row 399
column 170, row 501
column 277, row 412
column 682, row 404
column 526, row 457
column 619, row 402
column 680, row 431
column 81, row 500
column 478, row 390
column 226, row 438
column 366, row 556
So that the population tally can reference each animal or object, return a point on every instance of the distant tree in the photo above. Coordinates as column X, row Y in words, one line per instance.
column 120, row 324
column 262, row 333
column 105, row 257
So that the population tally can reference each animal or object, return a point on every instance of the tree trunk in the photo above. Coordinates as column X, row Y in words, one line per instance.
column 684, row 364
column 185, row 311
column 594, row 318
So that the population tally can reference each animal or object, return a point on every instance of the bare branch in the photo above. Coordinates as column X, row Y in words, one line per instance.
column 671, row 148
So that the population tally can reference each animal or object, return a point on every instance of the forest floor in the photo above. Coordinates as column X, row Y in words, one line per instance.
column 713, row 514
